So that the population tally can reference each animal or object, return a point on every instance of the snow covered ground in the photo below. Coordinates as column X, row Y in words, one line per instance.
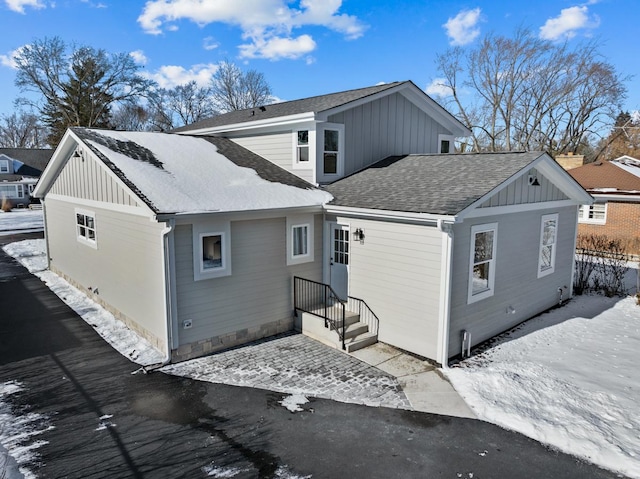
column 567, row 378
column 20, row 221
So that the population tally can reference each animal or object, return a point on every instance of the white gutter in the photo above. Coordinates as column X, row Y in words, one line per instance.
column 390, row 215
column 444, row 316
column 252, row 125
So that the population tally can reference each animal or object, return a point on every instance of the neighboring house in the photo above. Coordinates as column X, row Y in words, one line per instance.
column 194, row 238
column 615, row 185
column 20, row 169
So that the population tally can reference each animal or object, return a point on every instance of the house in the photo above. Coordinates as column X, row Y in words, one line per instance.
column 615, row 185
column 349, row 206
column 20, row 169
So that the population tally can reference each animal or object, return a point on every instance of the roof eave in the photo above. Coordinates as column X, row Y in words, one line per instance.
column 406, row 216
column 252, row 125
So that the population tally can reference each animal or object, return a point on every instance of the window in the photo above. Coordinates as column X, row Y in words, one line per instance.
column 482, row 268
column 331, row 151
column 86, row 227
column 10, row 191
column 548, row 238
column 595, row 213
column 446, row 144
column 302, row 146
column 299, row 242
column 4, row 166
column 211, row 250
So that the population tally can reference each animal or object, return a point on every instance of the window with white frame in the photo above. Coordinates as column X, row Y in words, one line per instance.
column 211, row 250
column 86, row 227
column 299, row 239
column 548, row 240
column 446, row 144
column 302, row 146
column 595, row 213
column 4, row 166
column 11, row 191
column 482, row 268
column 331, row 151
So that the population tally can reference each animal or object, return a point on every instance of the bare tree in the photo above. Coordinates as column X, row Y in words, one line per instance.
column 179, row 106
column 233, row 89
column 131, row 117
column 22, row 130
column 77, row 89
column 530, row 94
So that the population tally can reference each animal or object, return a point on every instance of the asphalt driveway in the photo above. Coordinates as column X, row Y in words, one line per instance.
column 100, row 420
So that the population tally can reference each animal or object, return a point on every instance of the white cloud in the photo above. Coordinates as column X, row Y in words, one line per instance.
column 18, row 5
column 267, row 25
column 9, row 60
column 568, row 22
column 463, row 28
column 139, row 57
column 170, row 76
column 438, row 87
column 209, row 43
column 278, row 47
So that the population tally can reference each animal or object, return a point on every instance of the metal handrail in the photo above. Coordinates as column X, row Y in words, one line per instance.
column 367, row 315
column 315, row 298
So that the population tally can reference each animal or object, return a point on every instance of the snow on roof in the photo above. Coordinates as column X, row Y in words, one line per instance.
column 184, row 174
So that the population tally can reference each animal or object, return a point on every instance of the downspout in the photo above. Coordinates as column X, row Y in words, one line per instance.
column 575, row 244
column 445, row 294
column 167, row 249
column 46, row 233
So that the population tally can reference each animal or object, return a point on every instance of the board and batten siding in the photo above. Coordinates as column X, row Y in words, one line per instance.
column 88, row 179
column 391, row 125
column 259, row 290
column 126, row 267
column 277, row 148
column 396, row 270
column 520, row 192
column 519, row 294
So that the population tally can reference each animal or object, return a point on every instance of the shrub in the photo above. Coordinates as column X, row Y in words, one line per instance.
column 601, row 265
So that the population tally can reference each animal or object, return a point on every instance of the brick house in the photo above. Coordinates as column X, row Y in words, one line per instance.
column 615, row 185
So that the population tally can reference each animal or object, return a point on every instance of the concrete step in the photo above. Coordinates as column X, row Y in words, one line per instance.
column 361, row 341
column 355, row 329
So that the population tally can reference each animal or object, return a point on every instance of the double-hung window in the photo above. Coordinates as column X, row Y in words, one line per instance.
column 482, row 268
column 331, row 151
column 4, row 166
column 86, row 227
column 302, row 146
column 548, row 240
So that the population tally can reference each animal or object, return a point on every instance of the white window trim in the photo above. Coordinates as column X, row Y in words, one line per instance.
column 294, row 222
column 303, row 165
column 542, row 273
column 451, row 140
column 472, row 298
column 83, row 239
column 584, row 215
column 320, row 149
column 4, row 166
column 202, row 230
column 11, row 196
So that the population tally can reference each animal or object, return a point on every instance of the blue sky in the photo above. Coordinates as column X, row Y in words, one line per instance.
column 309, row 47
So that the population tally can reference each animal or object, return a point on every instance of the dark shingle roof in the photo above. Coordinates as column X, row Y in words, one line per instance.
column 275, row 110
column 35, row 160
column 436, row 184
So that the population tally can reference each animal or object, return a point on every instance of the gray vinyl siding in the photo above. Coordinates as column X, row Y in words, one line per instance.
column 259, row 290
column 520, row 192
column 396, row 270
column 90, row 180
column 127, row 266
column 391, row 125
column 516, row 282
column 277, row 148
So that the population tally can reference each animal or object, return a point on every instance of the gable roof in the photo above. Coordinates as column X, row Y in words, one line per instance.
column 322, row 104
column 611, row 177
column 443, row 184
column 27, row 161
column 177, row 174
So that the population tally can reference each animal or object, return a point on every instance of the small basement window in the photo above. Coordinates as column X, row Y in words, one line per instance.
column 482, row 267
column 86, row 227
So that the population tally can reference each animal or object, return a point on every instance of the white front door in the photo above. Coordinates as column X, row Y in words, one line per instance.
column 339, row 260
